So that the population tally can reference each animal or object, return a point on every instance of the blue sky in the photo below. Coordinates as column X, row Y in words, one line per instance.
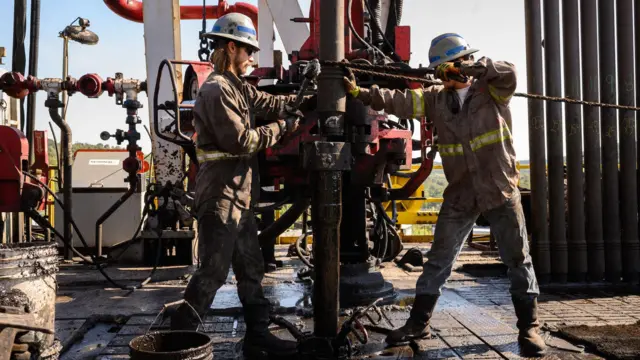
column 497, row 30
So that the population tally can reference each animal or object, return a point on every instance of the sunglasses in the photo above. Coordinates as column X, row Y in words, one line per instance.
column 250, row 51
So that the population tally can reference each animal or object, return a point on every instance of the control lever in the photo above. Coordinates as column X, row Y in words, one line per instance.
column 291, row 112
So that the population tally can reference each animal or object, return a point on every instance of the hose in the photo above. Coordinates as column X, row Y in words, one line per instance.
column 396, row 57
column 285, row 221
column 375, row 16
column 355, row 33
column 93, row 259
column 55, row 143
column 299, row 252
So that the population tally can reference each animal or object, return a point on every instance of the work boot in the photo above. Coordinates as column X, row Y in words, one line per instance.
column 531, row 343
column 259, row 342
column 417, row 326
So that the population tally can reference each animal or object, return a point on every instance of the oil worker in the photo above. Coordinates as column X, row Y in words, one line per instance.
column 227, row 184
column 473, row 122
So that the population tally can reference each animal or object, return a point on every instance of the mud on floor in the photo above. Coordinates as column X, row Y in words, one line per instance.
column 612, row 341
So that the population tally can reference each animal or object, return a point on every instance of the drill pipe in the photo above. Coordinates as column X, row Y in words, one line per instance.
column 577, row 245
column 627, row 126
column 327, row 196
column 535, row 85
column 609, row 136
column 592, row 158
column 559, row 265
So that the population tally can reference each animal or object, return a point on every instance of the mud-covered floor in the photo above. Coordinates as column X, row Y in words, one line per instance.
column 474, row 317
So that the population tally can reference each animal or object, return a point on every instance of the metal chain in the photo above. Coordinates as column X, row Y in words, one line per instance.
column 396, row 73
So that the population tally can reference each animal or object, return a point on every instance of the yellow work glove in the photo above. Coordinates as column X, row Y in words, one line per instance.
column 446, row 70
column 350, row 85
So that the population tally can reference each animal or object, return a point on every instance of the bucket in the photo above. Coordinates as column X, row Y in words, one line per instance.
column 172, row 345
column 28, row 280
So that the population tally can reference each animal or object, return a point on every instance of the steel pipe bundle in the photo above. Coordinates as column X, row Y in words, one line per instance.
column 595, row 237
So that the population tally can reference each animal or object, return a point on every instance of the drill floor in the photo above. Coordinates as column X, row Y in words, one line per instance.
column 474, row 318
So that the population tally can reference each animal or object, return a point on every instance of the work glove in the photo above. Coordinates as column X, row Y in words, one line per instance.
column 291, row 118
column 350, row 85
column 449, row 71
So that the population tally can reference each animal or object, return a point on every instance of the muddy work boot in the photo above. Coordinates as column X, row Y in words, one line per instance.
column 417, row 326
column 259, row 342
column 531, row 343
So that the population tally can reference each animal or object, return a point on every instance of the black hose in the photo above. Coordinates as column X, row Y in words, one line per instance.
column 34, row 45
column 93, row 259
column 396, row 57
column 55, row 144
column 376, row 35
column 299, row 251
column 355, row 33
column 67, row 183
column 285, row 221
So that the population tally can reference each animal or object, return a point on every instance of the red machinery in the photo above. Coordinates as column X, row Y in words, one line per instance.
column 16, row 194
column 378, row 147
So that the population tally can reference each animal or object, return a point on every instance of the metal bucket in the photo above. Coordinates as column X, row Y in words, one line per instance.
column 172, row 345
column 28, row 281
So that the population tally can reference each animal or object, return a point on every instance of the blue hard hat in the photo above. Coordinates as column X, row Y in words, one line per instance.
column 447, row 47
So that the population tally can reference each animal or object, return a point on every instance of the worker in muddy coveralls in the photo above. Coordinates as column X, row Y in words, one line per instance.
column 227, row 184
column 473, row 123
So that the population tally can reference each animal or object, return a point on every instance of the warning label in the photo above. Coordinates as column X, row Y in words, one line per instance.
column 104, row 162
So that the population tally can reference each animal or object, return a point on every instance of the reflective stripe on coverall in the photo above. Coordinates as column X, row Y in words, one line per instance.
column 478, row 158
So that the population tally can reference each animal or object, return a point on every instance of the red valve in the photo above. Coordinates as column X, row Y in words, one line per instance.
column 14, row 85
column 90, row 85
column 131, row 165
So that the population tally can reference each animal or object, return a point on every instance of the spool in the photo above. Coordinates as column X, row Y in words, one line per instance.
column 172, row 345
column 28, row 281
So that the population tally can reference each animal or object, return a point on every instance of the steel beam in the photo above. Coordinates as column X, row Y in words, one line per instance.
column 609, row 136
column 577, row 245
column 553, row 85
column 627, row 126
column 591, row 130
column 162, row 41
column 537, row 157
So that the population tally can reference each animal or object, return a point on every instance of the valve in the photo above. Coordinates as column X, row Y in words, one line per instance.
column 120, row 136
column 90, row 85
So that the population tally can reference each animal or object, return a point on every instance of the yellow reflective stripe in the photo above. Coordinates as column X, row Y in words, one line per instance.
column 418, row 103
column 214, row 155
column 450, row 149
column 494, row 93
column 491, row 137
column 252, row 138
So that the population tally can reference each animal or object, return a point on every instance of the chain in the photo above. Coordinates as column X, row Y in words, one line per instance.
column 576, row 102
column 396, row 73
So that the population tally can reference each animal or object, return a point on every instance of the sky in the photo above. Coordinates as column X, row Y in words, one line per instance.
column 496, row 30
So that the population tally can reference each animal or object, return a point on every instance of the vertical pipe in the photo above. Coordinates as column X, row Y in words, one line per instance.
column 65, row 73
column 327, row 195
column 577, row 245
column 609, row 136
column 627, row 125
column 537, row 156
column 34, row 44
column 33, row 70
column 590, row 89
column 553, row 84
column 636, row 7
column 18, row 56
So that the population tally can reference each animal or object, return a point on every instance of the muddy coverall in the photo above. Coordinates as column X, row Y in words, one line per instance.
column 226, row 144
column 476, row 146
